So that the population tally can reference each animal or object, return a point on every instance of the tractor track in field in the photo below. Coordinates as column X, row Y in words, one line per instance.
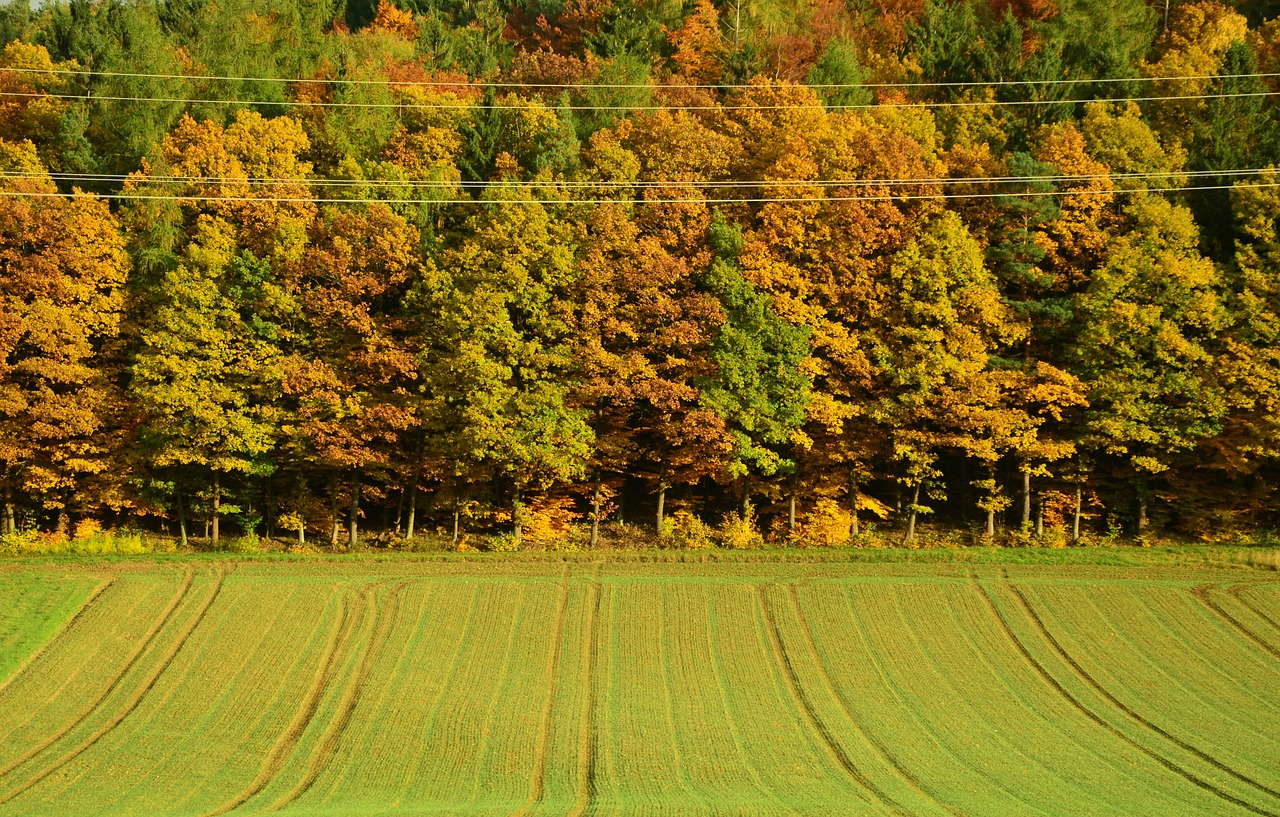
column 143, row 643
column 537, row 786
column 1125, row 708
column 1201, row 593
column 666, row 672
column 588, row 741
column 137, row 698
column 889, row 757
column 834, row 749
column 1081, row 707
column 453, row 664
column 384, row 623
column 1238, row 592
column 1020, row 695
column 726, row 712
column 57, row 637
column 347, row 623
column 908, row 625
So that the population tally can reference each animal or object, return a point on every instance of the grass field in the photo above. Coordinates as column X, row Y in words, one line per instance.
column 518, row 687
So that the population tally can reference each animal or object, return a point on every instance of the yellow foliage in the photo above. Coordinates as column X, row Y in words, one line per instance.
column 688, row 531
column 25, row 111
column 1077, row 238
column 1198, row 37
column 869, row 503
column 21, row 158
column 87, row 529
column 828, row 524
column 302, row 549
column 289, row 521
column 739, row 532
column 550, row 519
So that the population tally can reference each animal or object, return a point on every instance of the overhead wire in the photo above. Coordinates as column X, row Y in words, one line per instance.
column 617, row 86
column 92, row 178
column 449, row 184
column 627, row 108
column 202, row 199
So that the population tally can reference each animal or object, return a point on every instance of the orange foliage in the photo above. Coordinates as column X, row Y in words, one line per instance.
column 394, row 21
column 698, row 45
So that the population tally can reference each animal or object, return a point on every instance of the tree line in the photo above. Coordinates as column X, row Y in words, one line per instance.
column 288, row 267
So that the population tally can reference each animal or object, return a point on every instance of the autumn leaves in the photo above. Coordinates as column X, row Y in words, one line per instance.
column 412, row 286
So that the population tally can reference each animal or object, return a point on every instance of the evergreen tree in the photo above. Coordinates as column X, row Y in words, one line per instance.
column 1236, row 132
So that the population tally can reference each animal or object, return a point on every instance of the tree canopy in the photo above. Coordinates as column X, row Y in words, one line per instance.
column 965, row 264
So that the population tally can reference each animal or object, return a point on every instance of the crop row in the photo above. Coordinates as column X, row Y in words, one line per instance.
column 211, row 691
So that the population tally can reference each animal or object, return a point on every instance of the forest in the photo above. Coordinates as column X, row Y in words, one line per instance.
column 770, row 270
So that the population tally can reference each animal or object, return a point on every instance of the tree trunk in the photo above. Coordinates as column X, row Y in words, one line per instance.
column 991, row 511
column 1075, row 518
column 1142, row 514
column 268, row 510
column 1026, row 496
column 746, row 496
column 517, row 519
column 333, row 511
column 595, row 511
column 353, row 523
column 7, row 525
column 911, row 516
column 1039, row 516
column 662, row 493
column 457, row 512
column 217, row 506
column 791, row 509
column 182, row 522
column 400, row 512
column 302, row 516
column 413, row 509
column 853, row 506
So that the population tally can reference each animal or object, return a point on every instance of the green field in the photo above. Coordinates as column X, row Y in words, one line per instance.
column 542, row 688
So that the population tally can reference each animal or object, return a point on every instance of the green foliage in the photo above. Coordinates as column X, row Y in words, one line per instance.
column 960, row 42
column 496, row 348
column 839, row 65
column 1235, row 132
column 758, row 389
column 204, row 370
column 1014, row 252
column 1148, row 320
column 1120, row 33
column 330, row 312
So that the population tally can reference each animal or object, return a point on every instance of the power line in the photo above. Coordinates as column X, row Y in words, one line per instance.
column 636, row 86
column 628, row 108
column 563, row 202
column 642, row 184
